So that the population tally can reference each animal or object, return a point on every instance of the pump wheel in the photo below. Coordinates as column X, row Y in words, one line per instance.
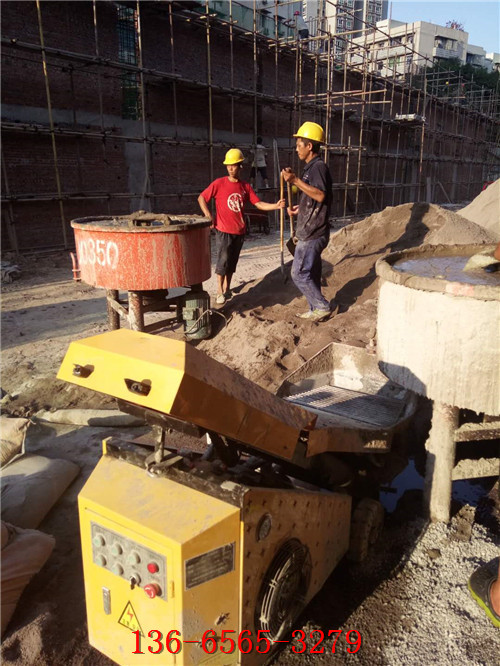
column 366, row 528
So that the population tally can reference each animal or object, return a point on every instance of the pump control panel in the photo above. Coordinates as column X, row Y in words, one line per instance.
column 130, row 560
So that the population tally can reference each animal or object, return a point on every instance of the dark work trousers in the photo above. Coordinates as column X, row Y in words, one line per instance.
column 228, row 248
column 306, row 271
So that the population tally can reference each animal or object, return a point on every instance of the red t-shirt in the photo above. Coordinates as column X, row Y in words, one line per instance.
column 230, row 199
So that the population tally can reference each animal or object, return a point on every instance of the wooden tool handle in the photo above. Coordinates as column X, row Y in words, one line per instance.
column 282, row 216
column 290, row 204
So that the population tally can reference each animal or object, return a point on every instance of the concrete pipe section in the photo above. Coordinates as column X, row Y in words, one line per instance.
column 438, row 334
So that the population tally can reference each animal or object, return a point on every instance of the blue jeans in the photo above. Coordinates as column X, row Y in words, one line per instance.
column 306, row 271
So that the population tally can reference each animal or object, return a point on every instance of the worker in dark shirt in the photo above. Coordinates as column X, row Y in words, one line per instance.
column 312, row 227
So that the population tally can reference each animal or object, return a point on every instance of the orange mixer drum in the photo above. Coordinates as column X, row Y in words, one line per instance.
column 143, row 251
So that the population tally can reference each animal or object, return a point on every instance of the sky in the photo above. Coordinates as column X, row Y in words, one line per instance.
column 480, row 19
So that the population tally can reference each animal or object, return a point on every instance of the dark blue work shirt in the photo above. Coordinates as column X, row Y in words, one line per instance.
column 312, row 220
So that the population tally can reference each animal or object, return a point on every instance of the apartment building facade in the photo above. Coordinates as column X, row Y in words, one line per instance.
column 396, row 49
column 369, row 12
column 343, row 19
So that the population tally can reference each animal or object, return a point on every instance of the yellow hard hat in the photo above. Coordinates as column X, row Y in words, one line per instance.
column 311, row 131
column 233, row 156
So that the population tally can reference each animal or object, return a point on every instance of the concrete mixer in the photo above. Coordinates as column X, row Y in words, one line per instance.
column 158, row 260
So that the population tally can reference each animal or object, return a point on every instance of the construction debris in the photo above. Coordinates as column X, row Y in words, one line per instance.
column 9, row 272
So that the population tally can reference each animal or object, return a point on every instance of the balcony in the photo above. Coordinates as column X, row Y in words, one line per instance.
column 382, row 54
column 475, row 60
column 440, row 52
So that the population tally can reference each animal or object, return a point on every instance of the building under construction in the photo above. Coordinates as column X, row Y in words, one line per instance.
column 113, row 107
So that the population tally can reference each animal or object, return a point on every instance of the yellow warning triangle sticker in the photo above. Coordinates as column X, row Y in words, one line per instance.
column 129, row 619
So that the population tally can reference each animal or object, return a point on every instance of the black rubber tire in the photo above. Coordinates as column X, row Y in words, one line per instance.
column 366, row 528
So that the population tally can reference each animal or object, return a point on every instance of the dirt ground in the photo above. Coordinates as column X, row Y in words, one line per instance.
column 409, row 602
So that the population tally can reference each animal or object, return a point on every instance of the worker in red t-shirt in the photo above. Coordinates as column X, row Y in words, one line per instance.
column 230, row 194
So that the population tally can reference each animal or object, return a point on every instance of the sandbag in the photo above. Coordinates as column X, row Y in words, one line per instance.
column 91, row 417
column 23, row 555
column 31, row 485
column 12, row 436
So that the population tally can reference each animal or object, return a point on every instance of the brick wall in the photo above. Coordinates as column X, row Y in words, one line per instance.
column 179, row 172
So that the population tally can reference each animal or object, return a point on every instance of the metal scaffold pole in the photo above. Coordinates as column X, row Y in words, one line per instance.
column 415, row 120
column 51, row 124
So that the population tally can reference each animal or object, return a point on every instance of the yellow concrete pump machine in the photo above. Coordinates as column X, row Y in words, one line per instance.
column 209, row 557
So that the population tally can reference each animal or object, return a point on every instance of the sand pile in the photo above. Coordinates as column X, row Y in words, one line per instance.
column 264, row 340
column 485, row 210
column 459, row 231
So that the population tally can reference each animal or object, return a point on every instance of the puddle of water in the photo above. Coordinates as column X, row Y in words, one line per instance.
column 465, row 491
column 408, row 479
column 470, row 491
column 447, row 268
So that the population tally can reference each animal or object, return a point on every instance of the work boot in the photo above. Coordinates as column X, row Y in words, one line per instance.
column 479, row 586
column 319, row 315
column 314, row 315
column 228, row 295
column 221, row 299
column 304, row 315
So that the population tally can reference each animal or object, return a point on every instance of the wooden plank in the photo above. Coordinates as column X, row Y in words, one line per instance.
column 476, row 469
column 470, row 432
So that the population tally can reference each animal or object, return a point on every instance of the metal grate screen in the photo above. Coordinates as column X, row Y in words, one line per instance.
column 373, row 409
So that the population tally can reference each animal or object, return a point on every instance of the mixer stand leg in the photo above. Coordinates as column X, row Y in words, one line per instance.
column 440, row 461
column 113, row 315
column 135, row 311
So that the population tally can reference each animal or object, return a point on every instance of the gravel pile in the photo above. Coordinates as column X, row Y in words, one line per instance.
column 450, row 627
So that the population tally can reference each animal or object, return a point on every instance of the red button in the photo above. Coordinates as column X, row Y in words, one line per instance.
column 153, row 567
column 152, row 590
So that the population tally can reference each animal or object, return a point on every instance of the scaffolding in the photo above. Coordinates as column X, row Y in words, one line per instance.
column 405, row 136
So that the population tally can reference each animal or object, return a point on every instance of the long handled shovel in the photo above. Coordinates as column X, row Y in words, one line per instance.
column 282, row 227
column 290, row 244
